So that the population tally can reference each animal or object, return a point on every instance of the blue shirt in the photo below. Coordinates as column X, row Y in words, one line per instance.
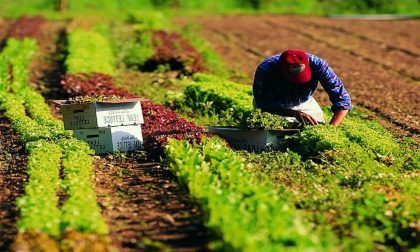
column 271, row 91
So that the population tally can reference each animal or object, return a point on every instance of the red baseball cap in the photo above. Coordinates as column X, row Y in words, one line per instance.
column 294, row 66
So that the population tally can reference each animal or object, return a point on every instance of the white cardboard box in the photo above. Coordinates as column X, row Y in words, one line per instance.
column 101, row 114
column 112, row 139
column 252, row 139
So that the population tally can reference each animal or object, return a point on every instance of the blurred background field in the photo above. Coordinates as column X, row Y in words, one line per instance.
column 12, row 8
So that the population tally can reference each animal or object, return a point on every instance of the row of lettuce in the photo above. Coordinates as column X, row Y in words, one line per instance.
column 345, row 188
column 50, row 148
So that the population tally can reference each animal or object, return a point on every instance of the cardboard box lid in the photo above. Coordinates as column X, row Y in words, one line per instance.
column 129, row 100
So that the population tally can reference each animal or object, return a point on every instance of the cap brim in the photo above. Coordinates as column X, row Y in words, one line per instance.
column 299, row 78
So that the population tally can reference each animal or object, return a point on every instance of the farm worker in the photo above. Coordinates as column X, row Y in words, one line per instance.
column 284, row 85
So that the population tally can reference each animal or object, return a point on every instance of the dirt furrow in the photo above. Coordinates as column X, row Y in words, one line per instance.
column 232, row 45
column 13, row 160
column 394, row 60
column 332, row 25
column 228, row 46
column 145, row 208
column 13, row 163
column 401, row 34
column 4, row 30
column 385, row 92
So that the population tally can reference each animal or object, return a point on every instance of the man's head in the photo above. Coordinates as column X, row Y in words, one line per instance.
column 294, row 66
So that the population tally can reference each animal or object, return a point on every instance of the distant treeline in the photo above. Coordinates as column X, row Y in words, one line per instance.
column 317, row 7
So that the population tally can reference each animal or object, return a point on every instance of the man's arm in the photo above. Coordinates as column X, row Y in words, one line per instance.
column 338, row 117
column 339, row 97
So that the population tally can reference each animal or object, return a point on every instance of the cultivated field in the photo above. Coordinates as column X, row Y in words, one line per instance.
column 351, row 188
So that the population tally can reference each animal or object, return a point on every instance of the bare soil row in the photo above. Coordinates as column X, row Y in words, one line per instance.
column 13, row 176
column 397, row 34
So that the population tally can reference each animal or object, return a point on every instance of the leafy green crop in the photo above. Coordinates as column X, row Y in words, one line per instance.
column 29, row 129
column 89, row 52
column 250, row 215
column 149, row 20
column 137, row 50
column 213, row 61
column 93, row 98
column 38, row 208
column 133, row 44
column 368, row 208
column 378, row 142
column 222, row 93
column 344, row 182
column 231, row 102
column 80, row 211
column 251, row 119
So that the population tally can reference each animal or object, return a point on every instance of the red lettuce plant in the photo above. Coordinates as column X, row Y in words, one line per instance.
column 171, row 48
column 27, row 26
column 92, row 84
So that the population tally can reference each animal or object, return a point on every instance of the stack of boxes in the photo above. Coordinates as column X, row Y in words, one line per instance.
column 107, row 126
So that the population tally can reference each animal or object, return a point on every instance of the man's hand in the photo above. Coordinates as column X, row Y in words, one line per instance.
column 304, row 118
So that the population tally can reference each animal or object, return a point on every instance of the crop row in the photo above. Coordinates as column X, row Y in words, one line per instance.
column 17, row 97
column 95, row 46
column 150, row 42
column 49, row 148
column 39, row 206
column 226, row 101
column 27, row 26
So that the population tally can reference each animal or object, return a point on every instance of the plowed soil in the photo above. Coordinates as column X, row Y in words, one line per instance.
column 12, row 178
column 377, row 60
column 5, row 25
column 146, row 209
